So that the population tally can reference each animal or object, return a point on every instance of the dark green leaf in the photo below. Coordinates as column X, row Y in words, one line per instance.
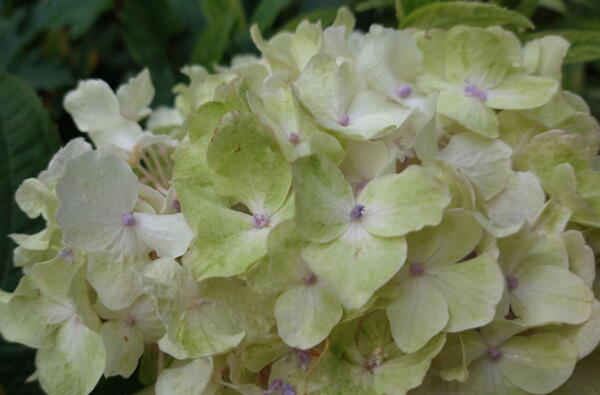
column 445, row 15
column 267, row 11
column 213, row 42
column 146, row 33
column 77, row 15
column 326, row 16
column 28, row 139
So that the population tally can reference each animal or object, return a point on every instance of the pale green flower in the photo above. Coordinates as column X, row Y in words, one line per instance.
column 97, row 196
column 357, row 242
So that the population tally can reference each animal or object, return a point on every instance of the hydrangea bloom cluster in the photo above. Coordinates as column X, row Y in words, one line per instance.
column 387, row 212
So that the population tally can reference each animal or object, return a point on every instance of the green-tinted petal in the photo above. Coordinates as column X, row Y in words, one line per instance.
column 94, row 192
column 284, row 266
column 418, row 313
column 35, row 199
column 581, row 256
column 93, row 106
column 185, row 379
column 116, row 281
column 475, row 56
column 323, row 198
column 584, row 380
column 472, row 290
column 305, row 315
column 585, row 336
column 486, row 161
column 262, row 352
column 367, row 160
column 538, row 363
column 326, row 89
column 136, row 95
column 356, row 264
column 453, row 239
column 247, row 165
column 399, row 375
column 169, row 235
column 505, row 215
column 74, row 364
column 519, row 92
column 468, row 112
column 546, row 294
column 57, row 164
column 124, row 346
column 227, row 243
column 397, row 204
column 544, row 56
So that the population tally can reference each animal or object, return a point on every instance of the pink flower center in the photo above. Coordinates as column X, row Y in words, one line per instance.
column 416, row 269
column 260, row 220
column 404, row 91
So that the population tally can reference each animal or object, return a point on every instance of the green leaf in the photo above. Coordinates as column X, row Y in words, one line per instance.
column 325, row 15
column 213, row 41
column 267, row 11
column 140, row 21
column 444, row 15
column 28, row 139
column 585, row 45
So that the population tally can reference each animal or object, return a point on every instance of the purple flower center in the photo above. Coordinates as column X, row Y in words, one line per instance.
column 294, row 138
column 357, row 211
column 512, row 282
column 361, row 185
column 417, row 269
column 260, row 220
column 494, row 353
column 310, row 279
column 177, row 205
column 128, row 219
column 404, row 91
column 473, row 91
column 303, row 359
column 344, row 120
column 280, row 385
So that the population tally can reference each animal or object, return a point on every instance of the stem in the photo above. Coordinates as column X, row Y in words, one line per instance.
column 160, row 363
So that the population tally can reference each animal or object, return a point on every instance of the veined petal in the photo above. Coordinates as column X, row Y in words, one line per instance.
column 323, row 198
column 472, row 290
column 95, row 191
column 306, row 313
column 520, row 91
column 468, row 111
column 550, row 294
column 356, row 264
column 538, row 363
column 136, row 95
column 185, row 378
column 169, row 235
column 74, row 364
column 397, row 204
column 486, row 161
column 124, row 346
column 418, row 313
column 93, row 106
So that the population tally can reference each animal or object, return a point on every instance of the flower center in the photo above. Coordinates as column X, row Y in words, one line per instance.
column 128, row 219
column 357, row 211
column 494, row 353
column 294, row 138
column 310, row 279
column 417, row 269
column 404, row 91
column 512, row 282
column 260, row 220
column 344, row 120
column 473, row 91
column 130, row 321
column 177, row 205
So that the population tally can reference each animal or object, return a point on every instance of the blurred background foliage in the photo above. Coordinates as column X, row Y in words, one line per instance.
column 46, row 46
